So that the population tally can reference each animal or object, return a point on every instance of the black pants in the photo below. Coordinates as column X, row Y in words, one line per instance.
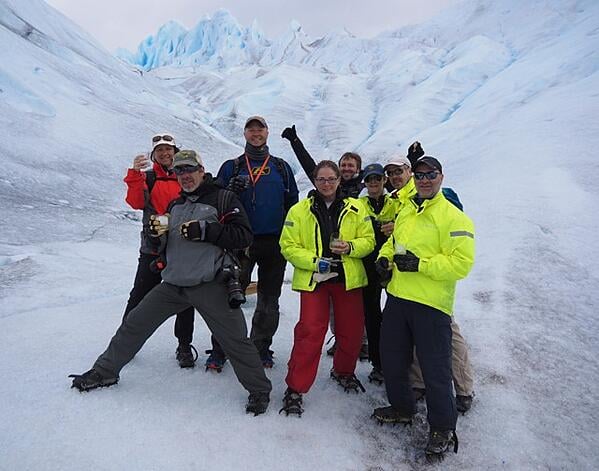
column 407, row 324
column 266, row 253
column 145, row 280
column 372, row 312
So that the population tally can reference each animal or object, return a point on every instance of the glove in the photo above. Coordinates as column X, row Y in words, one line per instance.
column 158, row 224
column 193, row 230
column 415, row 152
column 406, row 262
column 238, row 184
column 289, row 134
column 383, row 270
column 157, row 265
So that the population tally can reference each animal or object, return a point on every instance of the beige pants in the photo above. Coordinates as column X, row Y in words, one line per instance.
column 460, row 365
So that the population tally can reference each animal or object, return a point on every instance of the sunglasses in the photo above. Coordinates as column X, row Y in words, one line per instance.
column 165, row 137
column 323, row 180
column 428, row 175
column 395, row 172
column 376, row 178
column 183, row 169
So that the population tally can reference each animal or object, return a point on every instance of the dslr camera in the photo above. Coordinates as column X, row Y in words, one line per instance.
column 231, row 276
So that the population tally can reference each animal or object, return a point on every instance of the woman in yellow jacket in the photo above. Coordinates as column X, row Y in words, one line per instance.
column 325, row 238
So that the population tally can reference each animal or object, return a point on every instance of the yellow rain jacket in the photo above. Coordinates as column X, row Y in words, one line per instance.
column 301, row 242
column 442, row 237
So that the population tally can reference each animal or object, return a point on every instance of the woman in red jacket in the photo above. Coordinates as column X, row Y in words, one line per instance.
column 151, row 191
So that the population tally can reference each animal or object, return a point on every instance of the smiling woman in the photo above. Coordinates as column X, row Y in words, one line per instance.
column 325, row 238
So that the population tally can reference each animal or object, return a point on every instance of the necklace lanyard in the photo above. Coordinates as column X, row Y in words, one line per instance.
column 254, row 178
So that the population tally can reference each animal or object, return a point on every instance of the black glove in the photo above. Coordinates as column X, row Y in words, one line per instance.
column 238, row 184
column 383, row 270
column 289, row 133
column 157, row 265
column 415, row 152
column 407, row 262
column 193, row 230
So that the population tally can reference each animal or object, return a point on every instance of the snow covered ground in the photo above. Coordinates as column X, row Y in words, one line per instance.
column 505, row 94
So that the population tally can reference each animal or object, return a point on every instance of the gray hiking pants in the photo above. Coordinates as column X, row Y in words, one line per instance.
column 210, row 300
column 460, row 365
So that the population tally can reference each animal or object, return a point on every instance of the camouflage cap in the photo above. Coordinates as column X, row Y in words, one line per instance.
column 187, row 157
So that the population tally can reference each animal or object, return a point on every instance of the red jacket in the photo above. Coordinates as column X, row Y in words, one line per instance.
column 165, row 189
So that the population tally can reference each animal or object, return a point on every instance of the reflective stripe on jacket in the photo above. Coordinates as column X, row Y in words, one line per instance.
column 442, row 237
column 301, row 243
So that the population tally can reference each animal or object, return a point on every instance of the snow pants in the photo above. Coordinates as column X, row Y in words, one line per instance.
column 372, row 312
column 266, row 253
column 145, row 280
column 309, row 333
column 211, row 301
column 407, row 324
column 460, row 365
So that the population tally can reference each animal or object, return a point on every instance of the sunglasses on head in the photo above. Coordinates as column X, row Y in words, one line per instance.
column 183, row 169
column 165, row 137
column 326, row 180
column 376, row 178
column 428, row 175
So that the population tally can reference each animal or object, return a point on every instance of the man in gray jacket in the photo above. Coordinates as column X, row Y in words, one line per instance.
column 195, row 236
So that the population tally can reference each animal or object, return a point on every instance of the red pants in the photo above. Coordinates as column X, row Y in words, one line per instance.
column 309, row 333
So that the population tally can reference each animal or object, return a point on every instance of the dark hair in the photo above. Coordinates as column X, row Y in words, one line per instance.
column 326, row 164
column 352, row 155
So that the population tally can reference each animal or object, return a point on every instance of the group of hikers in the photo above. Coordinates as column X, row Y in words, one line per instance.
column 359, row 231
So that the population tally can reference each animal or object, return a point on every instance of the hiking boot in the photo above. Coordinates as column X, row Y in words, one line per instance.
column 215, row 361
column 464, row 403
column 257, row 403
column 418, row 393
column 349, row 383
column 266, row 358
column 186, row 355
column 376, row 376
column 292, row 403
column 92, row 379
column 389, row 415
column 364, row 352
column 332, row 349
column 438, row 443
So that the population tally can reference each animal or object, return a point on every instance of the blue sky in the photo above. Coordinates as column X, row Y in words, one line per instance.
column 118, row 23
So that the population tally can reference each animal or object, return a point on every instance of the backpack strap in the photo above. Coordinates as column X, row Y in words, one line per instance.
column 223, row 200
column 282, row 169
column 150, row 180
column 237, row 166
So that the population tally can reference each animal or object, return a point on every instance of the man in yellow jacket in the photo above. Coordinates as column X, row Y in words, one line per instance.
column 431, row 248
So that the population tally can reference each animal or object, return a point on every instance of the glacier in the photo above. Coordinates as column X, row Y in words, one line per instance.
column 505, row 94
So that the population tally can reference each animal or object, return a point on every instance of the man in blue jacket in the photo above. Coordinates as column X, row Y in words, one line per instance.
column 267, row 189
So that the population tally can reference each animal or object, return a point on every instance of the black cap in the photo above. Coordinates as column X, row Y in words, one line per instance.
column 429, row 161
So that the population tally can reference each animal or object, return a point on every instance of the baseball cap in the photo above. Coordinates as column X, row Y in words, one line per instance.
column 373, row 169
column 398, row 161
column 163, row 138
column 430, row 162
column 260, row 120
column 187, row 157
